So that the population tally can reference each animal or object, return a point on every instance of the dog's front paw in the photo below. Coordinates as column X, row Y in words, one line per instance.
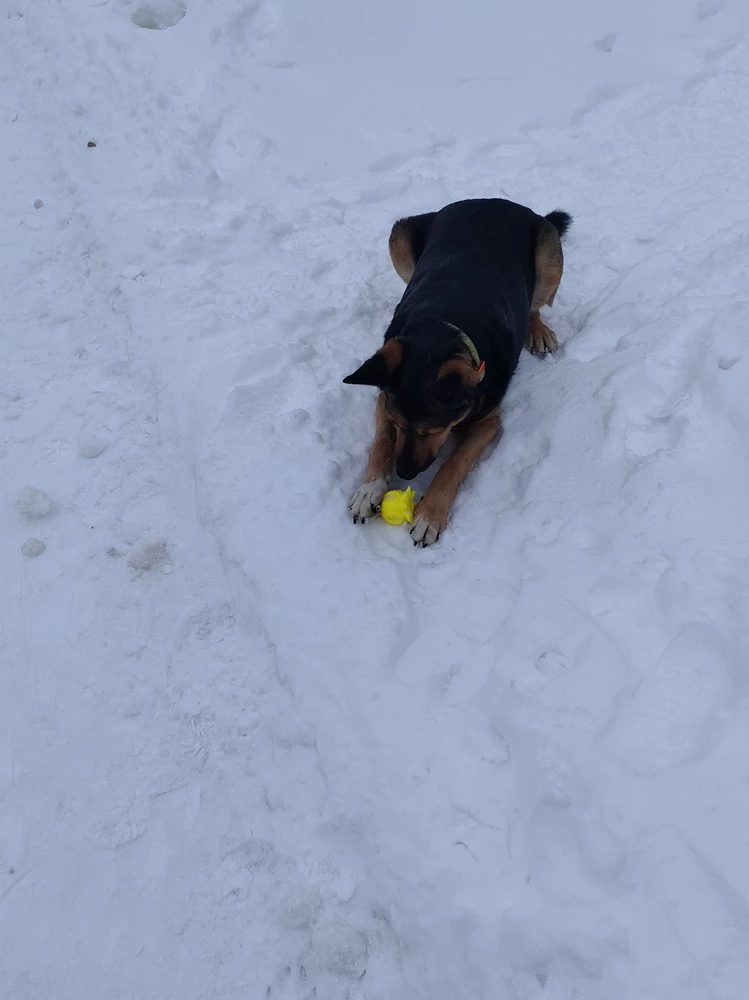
column 365, row 503
column 429, row 523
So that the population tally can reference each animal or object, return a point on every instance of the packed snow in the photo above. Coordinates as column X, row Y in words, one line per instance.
column 251, row 751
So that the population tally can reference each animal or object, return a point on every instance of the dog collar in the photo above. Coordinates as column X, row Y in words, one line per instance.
column 471, row 347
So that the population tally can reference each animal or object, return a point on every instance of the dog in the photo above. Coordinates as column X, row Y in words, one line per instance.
column 477, row 273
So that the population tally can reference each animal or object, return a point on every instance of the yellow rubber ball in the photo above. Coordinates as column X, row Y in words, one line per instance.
column 398, row 506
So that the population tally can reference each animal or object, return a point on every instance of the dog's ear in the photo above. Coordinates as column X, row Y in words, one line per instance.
column 378, row 370
column 468, row 373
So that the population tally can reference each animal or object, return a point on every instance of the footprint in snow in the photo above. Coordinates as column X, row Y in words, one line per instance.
column 151, row 557
column 156, row 15
column 605, row 43
column 707, row 8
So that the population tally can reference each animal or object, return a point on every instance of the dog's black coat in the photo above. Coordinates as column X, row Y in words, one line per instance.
column 475, row 270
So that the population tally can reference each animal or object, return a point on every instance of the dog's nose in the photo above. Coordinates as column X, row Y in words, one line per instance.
column 407, row 472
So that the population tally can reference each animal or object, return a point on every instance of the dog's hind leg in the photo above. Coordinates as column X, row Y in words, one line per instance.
column 541, row 339
column 549, row 266
column 365, row 503
column 407, row 241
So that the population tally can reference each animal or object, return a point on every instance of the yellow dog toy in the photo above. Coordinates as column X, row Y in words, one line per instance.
column 398, row 506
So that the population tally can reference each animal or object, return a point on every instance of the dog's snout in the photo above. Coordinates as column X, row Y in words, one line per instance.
column 414, row 453
column 407, row 472
column 410, row 467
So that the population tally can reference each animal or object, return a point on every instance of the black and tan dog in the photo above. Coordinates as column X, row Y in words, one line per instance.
column 477, row 274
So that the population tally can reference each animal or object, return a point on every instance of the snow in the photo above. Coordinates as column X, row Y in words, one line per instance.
column 253, row 752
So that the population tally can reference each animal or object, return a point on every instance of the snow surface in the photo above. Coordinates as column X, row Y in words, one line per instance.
column 251, row 752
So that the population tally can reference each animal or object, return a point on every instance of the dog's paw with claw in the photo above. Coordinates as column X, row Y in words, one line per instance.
column 429, row 523
column 541, row 339
column 366, row 502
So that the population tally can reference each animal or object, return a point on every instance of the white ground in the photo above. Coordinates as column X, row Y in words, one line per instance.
column 250, row 752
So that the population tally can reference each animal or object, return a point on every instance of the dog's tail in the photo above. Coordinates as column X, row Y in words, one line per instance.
column 561, row 221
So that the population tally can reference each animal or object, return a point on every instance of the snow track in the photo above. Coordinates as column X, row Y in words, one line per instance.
column 254, row 752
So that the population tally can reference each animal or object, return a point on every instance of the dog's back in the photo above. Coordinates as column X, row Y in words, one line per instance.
column 485, row 228
column 476, row 269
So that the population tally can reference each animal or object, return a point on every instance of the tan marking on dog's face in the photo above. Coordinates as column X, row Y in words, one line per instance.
column 417, row 444
column 423, row 446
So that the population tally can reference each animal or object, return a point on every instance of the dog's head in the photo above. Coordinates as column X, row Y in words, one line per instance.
column 430, row 386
